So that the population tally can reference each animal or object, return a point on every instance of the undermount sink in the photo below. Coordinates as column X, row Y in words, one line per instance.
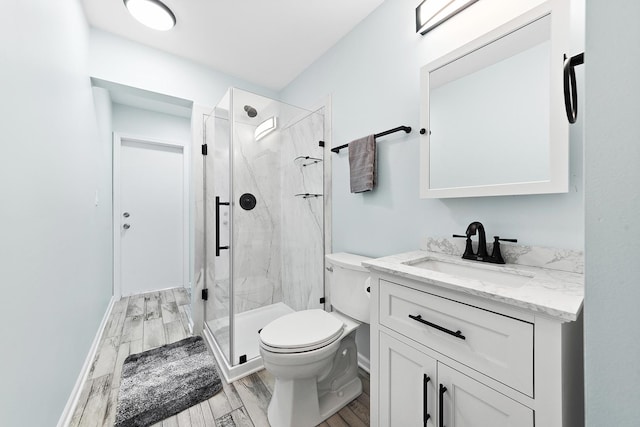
column 475, row 272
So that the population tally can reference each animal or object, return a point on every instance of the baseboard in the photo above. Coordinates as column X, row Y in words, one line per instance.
column 364, row 363
column 70, row 407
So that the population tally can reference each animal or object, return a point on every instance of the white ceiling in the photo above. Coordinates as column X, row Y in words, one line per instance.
column 267, row 42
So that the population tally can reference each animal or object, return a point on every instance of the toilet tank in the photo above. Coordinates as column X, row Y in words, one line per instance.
column 348, row 283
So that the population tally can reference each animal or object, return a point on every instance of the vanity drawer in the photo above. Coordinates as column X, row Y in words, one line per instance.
column 500, row 347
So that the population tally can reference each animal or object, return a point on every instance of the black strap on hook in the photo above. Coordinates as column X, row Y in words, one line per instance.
column 570, row 90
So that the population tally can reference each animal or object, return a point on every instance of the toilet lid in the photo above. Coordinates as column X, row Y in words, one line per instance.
column 302, row 330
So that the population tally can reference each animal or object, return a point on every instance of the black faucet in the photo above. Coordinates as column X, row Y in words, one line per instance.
column 481, row 254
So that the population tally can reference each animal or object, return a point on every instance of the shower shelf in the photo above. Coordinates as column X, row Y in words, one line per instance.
column 307, row 195
column 313, row 160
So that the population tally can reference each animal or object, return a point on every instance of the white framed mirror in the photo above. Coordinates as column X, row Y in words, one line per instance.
column 493, row 112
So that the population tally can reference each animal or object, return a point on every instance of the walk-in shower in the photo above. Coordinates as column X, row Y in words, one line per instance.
column 264, row 233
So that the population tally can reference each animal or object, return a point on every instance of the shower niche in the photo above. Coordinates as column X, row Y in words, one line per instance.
column 263, row 241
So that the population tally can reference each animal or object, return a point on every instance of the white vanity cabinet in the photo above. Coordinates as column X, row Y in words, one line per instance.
column 469, row 403
column 407, row 385
column 446, row 358
column 412, row 384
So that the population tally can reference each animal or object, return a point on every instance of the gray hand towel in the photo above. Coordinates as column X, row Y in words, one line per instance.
column 362, row 164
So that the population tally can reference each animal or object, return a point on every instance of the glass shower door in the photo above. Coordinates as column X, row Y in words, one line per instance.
column 217, row 173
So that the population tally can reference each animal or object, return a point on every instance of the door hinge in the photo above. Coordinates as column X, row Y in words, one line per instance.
column 204, row 149
column 205, row 294
column 322, row 300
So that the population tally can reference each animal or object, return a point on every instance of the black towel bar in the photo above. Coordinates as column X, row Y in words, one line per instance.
column 407, row 129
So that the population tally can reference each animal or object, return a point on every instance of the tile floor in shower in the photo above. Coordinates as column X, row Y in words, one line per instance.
column 142, row 322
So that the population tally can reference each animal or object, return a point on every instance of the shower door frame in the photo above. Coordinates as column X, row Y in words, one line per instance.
column 230, row 371
column 232, row 293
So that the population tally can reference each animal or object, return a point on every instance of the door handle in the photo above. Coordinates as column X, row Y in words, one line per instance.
column 126, row 226
column 443, row 389
column 425, row 386
column 218, row 204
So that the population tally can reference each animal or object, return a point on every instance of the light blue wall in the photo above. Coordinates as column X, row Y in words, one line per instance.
column 55, row 251
column 104, row 117
column 612, row 171
column 373, row 77
column 151, row 124
column 116, row 59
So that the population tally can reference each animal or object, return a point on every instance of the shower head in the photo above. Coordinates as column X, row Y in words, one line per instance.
column 251, row 112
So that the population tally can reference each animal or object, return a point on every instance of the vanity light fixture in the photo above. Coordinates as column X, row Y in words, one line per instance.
column 431, row 13
column 266, row 127
column 152, row 13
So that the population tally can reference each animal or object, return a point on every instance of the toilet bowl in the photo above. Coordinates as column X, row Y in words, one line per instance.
column 312, row 353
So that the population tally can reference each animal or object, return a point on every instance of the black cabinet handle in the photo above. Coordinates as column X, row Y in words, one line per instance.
column 457, row 334
column 425, row 411
column 443, row 389
column 218, row 204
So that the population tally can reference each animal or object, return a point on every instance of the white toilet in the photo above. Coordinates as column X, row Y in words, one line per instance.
column 312, row 353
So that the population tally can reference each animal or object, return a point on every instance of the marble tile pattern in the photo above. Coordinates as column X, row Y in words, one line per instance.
column 302, row 233
column 533, row 256
column 256, row 248
column 554, row 293
column 277, row 247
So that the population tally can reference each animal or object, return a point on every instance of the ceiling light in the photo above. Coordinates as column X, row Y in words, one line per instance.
column 151, row 13
column 266, row 127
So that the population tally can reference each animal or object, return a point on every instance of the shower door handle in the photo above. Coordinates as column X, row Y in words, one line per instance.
column 218, row 204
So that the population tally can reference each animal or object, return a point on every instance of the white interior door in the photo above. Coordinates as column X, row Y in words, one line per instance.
column 150, row 210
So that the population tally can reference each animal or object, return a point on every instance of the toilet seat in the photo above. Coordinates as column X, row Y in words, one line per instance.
column 301, row 331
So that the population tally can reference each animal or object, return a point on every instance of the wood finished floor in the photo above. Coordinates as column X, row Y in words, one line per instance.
column 143, row 322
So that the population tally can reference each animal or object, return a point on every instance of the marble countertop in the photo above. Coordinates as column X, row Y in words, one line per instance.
column 555, row 293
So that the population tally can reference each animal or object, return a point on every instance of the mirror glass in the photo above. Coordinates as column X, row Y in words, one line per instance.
column 489, row 116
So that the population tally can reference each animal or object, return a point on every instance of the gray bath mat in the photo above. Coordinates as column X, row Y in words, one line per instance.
column 159, row 383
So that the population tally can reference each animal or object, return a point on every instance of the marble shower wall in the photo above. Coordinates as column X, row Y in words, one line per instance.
column 256, row 244
column 302, row 233
column 278, row 246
